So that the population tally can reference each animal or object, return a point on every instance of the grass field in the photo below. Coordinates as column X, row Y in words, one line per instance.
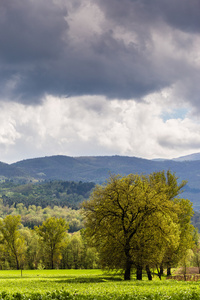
column 89, row 284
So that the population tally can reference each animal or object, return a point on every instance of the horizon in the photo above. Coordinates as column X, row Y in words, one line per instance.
column 111, row 155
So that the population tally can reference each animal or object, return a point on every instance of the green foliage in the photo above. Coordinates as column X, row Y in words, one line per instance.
column 53, row 233
column 196, row 250
column 35, row 215
column 78, row 255
column 52, row 193
column 13, row 244
column 35, row 202
column 47, row 246
column 134, row 220
column 196, row 220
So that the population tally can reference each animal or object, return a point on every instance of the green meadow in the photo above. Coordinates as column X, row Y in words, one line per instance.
column 89, row 284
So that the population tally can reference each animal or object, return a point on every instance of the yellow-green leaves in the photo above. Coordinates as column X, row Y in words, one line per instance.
column 133, row 220
column 13, row 242
column 52, row 232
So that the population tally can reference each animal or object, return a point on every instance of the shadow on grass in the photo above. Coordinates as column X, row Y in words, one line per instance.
column 89, row 279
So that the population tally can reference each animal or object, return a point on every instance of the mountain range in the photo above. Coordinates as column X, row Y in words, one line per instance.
column 98, row 168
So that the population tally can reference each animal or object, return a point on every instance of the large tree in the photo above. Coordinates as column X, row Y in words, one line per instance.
column 52, row 234
column 132, row 219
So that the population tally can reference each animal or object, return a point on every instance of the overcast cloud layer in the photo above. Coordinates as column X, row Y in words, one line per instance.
column 99, row 77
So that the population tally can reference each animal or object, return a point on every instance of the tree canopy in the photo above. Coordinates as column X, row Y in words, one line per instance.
column 11, row 240
column 134, row 220
column 52, row 232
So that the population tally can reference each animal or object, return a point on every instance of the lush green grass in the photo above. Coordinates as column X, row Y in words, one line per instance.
column 89, row 284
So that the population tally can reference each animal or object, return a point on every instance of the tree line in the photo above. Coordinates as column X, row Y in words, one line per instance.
column 46, row 193
column 46, row 246
column 35, row 215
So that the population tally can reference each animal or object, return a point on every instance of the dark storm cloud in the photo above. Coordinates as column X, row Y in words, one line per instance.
column 31, row 30
column 32, row 37
column 38, row 55
column 111, row 68
column 181, row 14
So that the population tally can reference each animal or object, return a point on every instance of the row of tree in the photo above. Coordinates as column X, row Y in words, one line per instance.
column 46, row 246
column 35, row 215
column 139, row 222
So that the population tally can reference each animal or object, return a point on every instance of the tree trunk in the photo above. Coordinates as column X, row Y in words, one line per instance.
column 139, row 273
column 52, row 263
column 148, row 272
column 161, row 270
column 184, row 271
column 169, row 271
column 17, row 261
column 127, row 274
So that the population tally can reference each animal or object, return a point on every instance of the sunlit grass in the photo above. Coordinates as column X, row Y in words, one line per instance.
column 90, row 284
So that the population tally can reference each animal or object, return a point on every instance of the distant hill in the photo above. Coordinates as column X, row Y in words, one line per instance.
column 9, row 171
column 194, row 156
column 98, row 168
column 91, row 168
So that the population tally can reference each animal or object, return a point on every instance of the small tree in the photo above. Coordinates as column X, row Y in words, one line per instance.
column 185, row 261
column 13, row 241
column 52, row 234
column 196, row 250
column 175, row 254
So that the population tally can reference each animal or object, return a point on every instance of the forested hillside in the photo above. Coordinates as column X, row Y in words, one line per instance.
column 35, row 202
column 97, row 169
column 40, row 181
column 51, row 193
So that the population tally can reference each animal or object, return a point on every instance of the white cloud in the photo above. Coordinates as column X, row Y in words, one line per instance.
column 92, row 125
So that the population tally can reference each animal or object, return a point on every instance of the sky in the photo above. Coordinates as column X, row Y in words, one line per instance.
column 99, row 77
